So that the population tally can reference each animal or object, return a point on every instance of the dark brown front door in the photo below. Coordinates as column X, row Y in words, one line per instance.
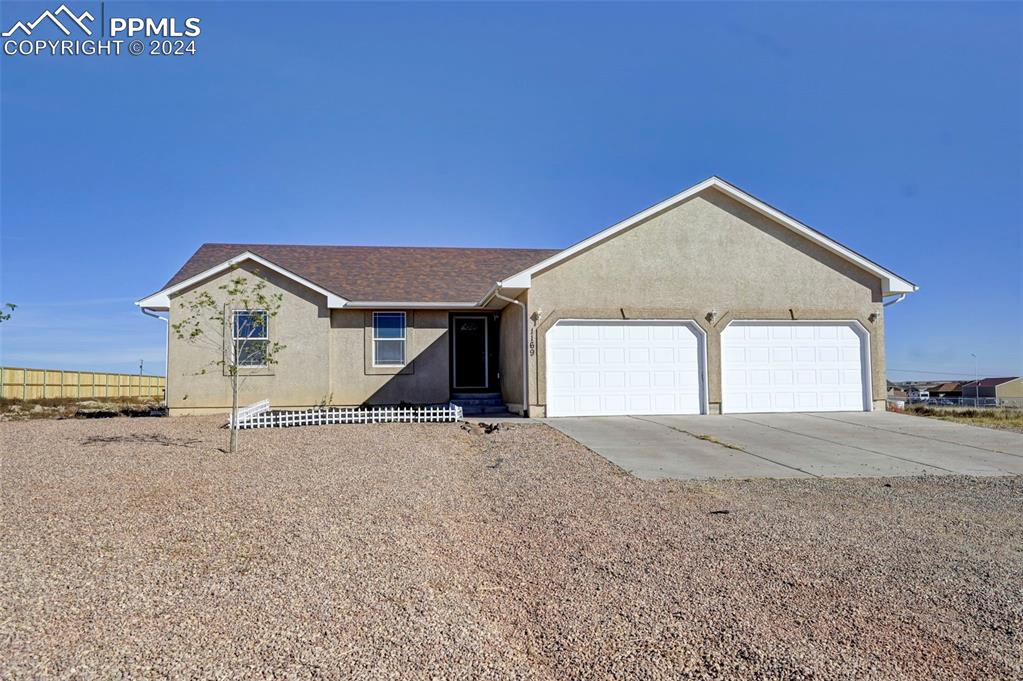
column 470, row 349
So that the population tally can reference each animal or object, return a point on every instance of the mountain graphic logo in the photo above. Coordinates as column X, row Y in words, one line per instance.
column 78, row 20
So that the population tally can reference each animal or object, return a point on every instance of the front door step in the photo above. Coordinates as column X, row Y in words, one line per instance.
column 476, row 396
column 479, row 403
column 479, row 411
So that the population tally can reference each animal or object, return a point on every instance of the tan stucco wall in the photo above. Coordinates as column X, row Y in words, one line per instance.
column 354, row 380
column 328, row 358
column 1009, row 389
column 302, row 324
column 709, row 253
column 511, row 352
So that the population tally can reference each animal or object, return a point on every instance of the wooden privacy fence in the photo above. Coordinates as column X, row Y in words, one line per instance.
column 33, row 384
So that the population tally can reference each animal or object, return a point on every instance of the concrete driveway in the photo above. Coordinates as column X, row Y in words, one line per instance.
column 833, row 445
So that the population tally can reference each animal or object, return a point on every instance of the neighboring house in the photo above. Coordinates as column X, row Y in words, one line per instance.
column 947, row 389
column 1003, row 388
column 710, row 301
column 895, row 392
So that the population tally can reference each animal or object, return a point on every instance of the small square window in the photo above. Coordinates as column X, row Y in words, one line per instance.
column 250, row 333
column 388, row 339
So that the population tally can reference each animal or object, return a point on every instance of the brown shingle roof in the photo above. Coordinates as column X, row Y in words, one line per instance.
column 989, row 382
column 385, row 274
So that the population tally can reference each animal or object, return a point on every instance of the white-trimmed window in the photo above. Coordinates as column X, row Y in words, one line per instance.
column 388, row 339
column 250, row 331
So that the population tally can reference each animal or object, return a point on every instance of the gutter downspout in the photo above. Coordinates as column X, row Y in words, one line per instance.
column 525, row 348
column 899, row 299
column 166, row 355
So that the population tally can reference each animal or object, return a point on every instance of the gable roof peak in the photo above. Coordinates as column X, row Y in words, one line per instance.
column 891, row 283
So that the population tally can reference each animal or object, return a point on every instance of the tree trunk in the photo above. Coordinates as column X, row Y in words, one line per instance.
column 233, row 447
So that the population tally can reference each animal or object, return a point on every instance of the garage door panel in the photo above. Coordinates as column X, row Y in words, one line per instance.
column 664, row 403
column 614, row 356
column 611, row 403
column 640, row 368
column 804, row 402
column 736, row 378
column 781, row 354
column 639, row 379
column 663, row 379
column 664, row 355
column 564, row 355
column 793, row 366
column 614, row 379
column 639, row 355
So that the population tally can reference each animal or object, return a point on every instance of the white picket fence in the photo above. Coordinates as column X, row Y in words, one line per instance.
column 246, row 413
column 259, row 415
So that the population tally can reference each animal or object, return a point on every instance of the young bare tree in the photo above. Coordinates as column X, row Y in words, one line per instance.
column 234, row 327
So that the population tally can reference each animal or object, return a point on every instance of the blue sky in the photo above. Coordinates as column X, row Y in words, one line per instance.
column 897, row 129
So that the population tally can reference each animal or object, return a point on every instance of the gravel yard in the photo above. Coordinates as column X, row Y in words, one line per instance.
column 134, row 547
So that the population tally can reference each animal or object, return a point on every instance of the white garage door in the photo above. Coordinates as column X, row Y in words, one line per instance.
column 793, row 366
column 607, row 368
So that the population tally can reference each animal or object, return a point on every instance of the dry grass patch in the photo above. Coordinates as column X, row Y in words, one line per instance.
column 1003, row 418
column 74, row 407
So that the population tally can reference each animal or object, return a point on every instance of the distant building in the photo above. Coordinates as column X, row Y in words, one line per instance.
column 950, row 389
column 895, row 392
column 1002, row 388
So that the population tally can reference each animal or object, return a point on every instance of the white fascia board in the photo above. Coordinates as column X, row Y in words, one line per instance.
column 157, row 301
column 161, row 299
column 399, row 305
column 503, row 288
column 892, row 283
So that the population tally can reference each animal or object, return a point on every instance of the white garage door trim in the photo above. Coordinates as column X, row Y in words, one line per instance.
column 858, row 329
column 698, row 332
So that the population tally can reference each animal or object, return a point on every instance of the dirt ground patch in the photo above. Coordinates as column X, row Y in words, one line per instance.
column 135, row 547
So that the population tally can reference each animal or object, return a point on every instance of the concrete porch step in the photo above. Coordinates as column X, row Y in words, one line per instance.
column 475, row 396
column 479, row 403
column 481, row 411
